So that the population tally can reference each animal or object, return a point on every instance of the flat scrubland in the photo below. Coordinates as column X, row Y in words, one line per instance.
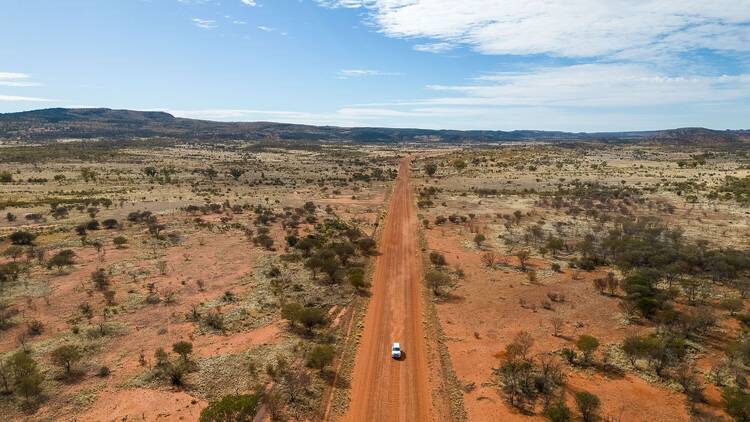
column 158, row 280
column 591, row 282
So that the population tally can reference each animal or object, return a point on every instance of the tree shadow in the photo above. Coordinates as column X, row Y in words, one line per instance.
column 363, row 293
column 74, row 377
column 329, row 376
column 451, row 298
column 609, row 371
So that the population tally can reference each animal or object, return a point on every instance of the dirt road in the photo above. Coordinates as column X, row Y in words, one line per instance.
column 384, row 389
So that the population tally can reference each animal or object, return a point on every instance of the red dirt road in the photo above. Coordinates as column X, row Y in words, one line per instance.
column 384, row 389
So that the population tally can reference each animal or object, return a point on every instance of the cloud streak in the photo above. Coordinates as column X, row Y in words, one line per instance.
column 632, row 57
column 14, row 79
column 205, row 23
column 594, row 85
column 358, row 73
column 565, row 28
column 16, row 98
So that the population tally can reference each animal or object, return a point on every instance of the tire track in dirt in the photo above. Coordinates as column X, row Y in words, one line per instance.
column 384, row 389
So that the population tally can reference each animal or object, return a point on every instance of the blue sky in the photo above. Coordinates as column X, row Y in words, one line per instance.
column 576, row 65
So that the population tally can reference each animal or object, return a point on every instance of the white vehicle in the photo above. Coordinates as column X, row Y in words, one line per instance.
column 396, row 351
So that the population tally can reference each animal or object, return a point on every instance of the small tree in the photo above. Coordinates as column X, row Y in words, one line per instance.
column 557, row 324
column 588, row 405
column 436, row 280
column 587, row 345
column 320, row 356
column 109, row 297
column 120, row 242
column 22, row 237
column 6, row 377
column 309, row 207
column 612, row 283
column 523, row 256
column 520, row 346
column 733, row 305
column 232, row 408
column 600, row 284
column 110, row 223
column 558, row 412
column 26, row 375
column 290, row 312
column 150, row 171
column 344, row 251
column 100, row 279
column 479, row 239
column 357, row 279
column 634, row 348
column 554, row 245
column 310, row 317
column 736, row 403
column 437, row 259
column 331, row 267
column 13, row 252
column 66, row 356
column 176, row 371
column 183, row 348
column 367, row 245
column 62, row 259
column 236, row 173
column 60, row 213
column 489, row 259
column 430, row 169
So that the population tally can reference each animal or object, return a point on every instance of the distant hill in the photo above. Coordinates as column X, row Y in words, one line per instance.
column 60, row 123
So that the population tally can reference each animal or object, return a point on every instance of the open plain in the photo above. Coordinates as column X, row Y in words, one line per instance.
column 186, row 281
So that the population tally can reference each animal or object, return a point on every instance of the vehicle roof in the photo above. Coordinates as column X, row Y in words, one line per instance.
column 396, row 345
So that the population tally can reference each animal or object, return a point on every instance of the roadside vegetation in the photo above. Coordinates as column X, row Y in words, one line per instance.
column 633, row 260
column 226, row 272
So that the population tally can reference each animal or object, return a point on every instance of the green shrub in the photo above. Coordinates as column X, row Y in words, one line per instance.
column 22, row 237
column 558, row 412
column 233, row 408
column 588, row 345
column 736, row 403
column 320, row 356
column 588, row 405
column 63, row 258
column 66, row 356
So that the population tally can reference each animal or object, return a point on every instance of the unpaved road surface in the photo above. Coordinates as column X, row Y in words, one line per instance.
column 384, row 389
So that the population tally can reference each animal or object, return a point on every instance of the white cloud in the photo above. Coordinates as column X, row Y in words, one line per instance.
column 626, row 96
column 437, row 47
column 198, row 2
column 266, row 28
column 489, row 118
column 354, row 73
column 249, row 2
column 14, row 75
column 205, row 23
column 16, row 98
column 352, row 4
column 594, row 85
column 632, row 54
column 248, row 115
column 567, row 28
column 16, row 79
